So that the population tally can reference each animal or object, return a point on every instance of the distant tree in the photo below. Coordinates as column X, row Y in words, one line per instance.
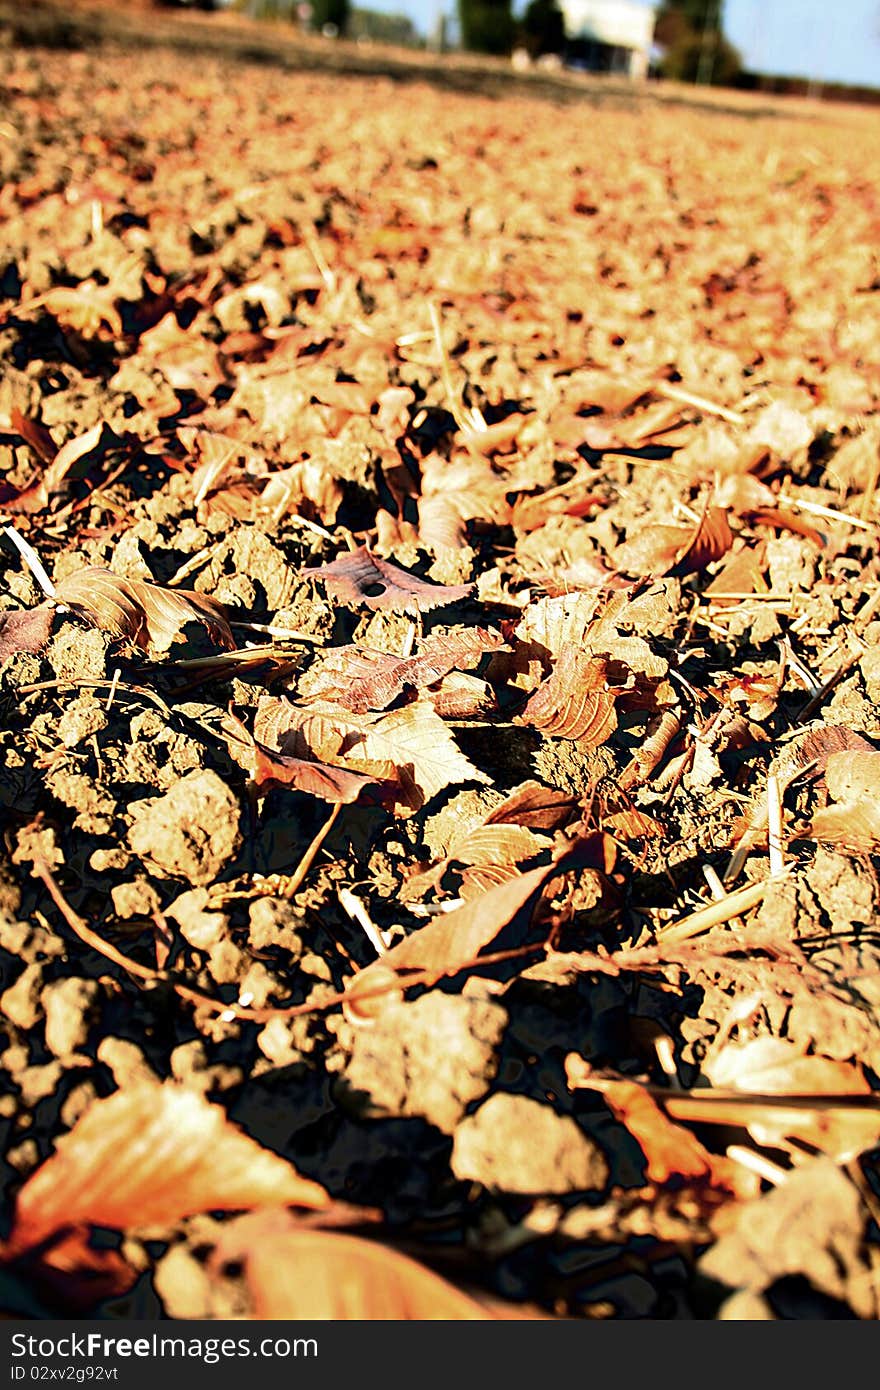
column 386, row 28
column 543, row 28
column 691, row 33
column 335, row 12
column 487, row 26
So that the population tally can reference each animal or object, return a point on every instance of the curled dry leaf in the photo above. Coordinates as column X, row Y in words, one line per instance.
column 337, row 785
column 34, row 433
column 558, row 624
column 59, row 462
column 660, row 550
column 575, row 701
column 536, row 806
column 448, row 942
column 671, row 1150
column 25, row 630
column 369, row 680
column 410, row 746
column 146, row 614
column 149, row 1155
column 361, row 579
column 328, row 1275
column 853, row 781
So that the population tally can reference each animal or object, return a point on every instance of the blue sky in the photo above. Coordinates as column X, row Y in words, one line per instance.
column 829, row 40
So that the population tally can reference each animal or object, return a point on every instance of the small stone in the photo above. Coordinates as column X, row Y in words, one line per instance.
column 432, row 1057
column 202, row 929
column 24, row 1157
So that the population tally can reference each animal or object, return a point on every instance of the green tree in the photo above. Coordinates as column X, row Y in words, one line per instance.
column 487, row 26
column 543, row 28
column 691, row 32
column 335, row 12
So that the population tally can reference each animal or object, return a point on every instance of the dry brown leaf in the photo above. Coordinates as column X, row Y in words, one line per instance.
column 149, row 1155
column 34, row 433
column 333, row 784
column 558, row 624
column 361, row 579
column 143, row 613
column 446, row 943
column 496, row 850
column 411, row 746
column 660, row 550
column 369, row 680
column 576, row 700
column 853, row 781
column 531, row 804
column 742, row 572
column 37, row 496
column 671, row 1150
column 329, row 1275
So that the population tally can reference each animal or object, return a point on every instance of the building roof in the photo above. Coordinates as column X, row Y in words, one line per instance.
column 621, row 23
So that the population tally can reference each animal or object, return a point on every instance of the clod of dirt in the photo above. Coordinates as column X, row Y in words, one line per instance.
column 515, row 1144
column 20, row 1003
column 191, row 832
column 70, row 1007
column 431, row 1058
column 813, row 1225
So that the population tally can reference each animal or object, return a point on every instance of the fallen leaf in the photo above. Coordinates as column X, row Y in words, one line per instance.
column 411, row 745
column 660, row 550
column 531, row 804
column 25, row 630
column 671, row 1150
column 361, row 579
column 852, row 780
column 329, row 1275
column 361, row 680
column 576, row 701
column 146, row 614
column 446, row 943
column 149, row 1155
column 333, row 784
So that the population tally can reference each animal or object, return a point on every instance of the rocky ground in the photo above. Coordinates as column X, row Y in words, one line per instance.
column 440, row 691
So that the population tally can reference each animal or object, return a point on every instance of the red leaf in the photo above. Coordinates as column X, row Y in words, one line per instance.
column 370, row 680
column 333, row 784
column 25, row 630
column 361, row 579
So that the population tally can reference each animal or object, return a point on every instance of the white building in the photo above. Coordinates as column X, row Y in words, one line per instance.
column 610, row 35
